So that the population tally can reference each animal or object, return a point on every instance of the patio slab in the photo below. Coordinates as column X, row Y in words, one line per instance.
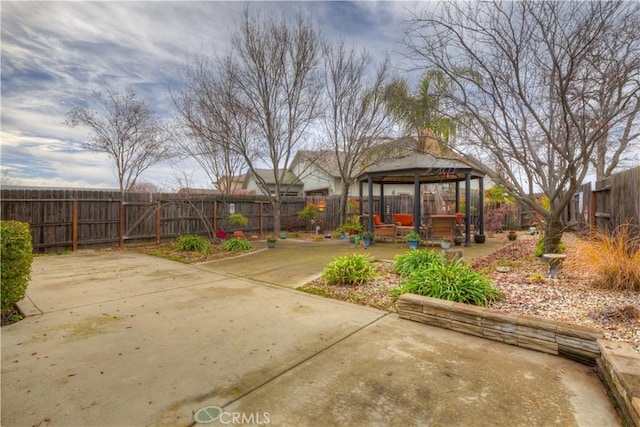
column 134, row 340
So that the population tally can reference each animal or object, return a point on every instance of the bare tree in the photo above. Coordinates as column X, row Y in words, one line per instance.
column 208, row 126
column 126, row 129
column 355, row 120
column 551, row 82
column 274, row 70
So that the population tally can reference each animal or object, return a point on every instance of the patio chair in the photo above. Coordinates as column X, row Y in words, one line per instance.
column 384, row 231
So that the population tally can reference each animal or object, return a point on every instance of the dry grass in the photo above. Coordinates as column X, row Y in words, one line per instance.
column 612, row 260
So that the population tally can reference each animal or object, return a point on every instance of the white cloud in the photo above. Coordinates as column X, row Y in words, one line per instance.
column 55, row 53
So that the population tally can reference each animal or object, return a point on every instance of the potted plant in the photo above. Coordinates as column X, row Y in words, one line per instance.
column 457, row 240
column 238, row 220
column 512, row 235
column 271, row 242
column 367, row 237
column 351, row 228
column 413, row 240
column 479, row 238
column 445, row 242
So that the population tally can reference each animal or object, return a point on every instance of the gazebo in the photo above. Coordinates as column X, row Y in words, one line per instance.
column 423, row 168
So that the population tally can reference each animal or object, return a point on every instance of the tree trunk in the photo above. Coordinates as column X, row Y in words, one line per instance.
column 601, row 158
column 344, row 195
column 553, row 235
column 276, row 216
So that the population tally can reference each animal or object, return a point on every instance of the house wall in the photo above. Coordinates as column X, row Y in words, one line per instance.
column 315, row 178
column 253, row 188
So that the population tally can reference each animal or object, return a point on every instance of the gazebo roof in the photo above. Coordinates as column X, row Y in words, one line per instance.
column 430, row 169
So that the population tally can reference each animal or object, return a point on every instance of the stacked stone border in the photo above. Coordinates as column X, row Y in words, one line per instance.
column 617, row 363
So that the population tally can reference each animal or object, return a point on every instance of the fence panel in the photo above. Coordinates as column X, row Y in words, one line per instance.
column 67, row 219
column 625, row 197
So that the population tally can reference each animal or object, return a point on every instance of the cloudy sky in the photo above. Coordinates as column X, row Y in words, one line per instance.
column 55, row 53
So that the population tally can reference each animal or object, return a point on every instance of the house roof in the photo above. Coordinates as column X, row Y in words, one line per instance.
column 327, row 161
column 208, row 191
column 323, row 159
column 429, row 168
column 268, row 176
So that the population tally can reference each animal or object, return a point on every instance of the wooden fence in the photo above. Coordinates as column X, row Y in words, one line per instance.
column 607, row 203
column 63, row 220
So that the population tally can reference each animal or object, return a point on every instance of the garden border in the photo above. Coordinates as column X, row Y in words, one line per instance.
column 617, row 363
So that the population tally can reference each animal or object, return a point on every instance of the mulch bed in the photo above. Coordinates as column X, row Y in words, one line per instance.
column 571, row 298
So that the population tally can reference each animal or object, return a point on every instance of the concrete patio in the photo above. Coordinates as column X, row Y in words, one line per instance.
column 124, row 339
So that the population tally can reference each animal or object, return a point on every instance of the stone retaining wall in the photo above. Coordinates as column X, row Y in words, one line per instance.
column 618, row 364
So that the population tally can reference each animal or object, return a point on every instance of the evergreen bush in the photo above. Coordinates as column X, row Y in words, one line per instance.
column 17, row 256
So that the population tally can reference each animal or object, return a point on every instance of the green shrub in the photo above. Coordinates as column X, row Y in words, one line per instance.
column 410, row 261
column 451, row 281
column 192, row 242
column 16, row 261
column 354, row 269
column 237, row 245
column 309, row 212
column 238, row 220
column 562, row 248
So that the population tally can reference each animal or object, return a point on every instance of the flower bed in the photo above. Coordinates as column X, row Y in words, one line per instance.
column 569, row 299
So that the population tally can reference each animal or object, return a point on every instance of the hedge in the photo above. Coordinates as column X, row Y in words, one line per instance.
column 16, row 261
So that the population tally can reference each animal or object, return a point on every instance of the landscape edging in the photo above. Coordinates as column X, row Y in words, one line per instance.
column 618, row 364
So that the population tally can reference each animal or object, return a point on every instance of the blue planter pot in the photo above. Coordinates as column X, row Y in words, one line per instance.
column 271, row 245
column 367, row 242
column 412, row 244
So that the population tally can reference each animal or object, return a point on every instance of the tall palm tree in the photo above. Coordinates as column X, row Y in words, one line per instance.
column 420, row 114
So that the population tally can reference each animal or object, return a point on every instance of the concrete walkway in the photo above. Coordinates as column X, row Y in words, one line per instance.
column 129, row 340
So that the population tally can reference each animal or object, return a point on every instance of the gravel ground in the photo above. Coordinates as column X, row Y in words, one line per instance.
column 571, row 298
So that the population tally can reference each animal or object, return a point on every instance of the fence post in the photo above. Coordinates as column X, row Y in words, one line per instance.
column 593, row 209
column 158, row 218
column 74, row 226
column 121, row 230
column 215, row 216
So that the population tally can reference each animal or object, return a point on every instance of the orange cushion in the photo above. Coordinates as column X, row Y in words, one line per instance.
column 405, row 220
column 376, row 219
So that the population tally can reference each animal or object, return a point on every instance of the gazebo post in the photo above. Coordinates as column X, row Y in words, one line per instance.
column 481, row 207
column 416, row 202
column 467, row 197
column 370, row 205
column 457, row 209
column 382, row 203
